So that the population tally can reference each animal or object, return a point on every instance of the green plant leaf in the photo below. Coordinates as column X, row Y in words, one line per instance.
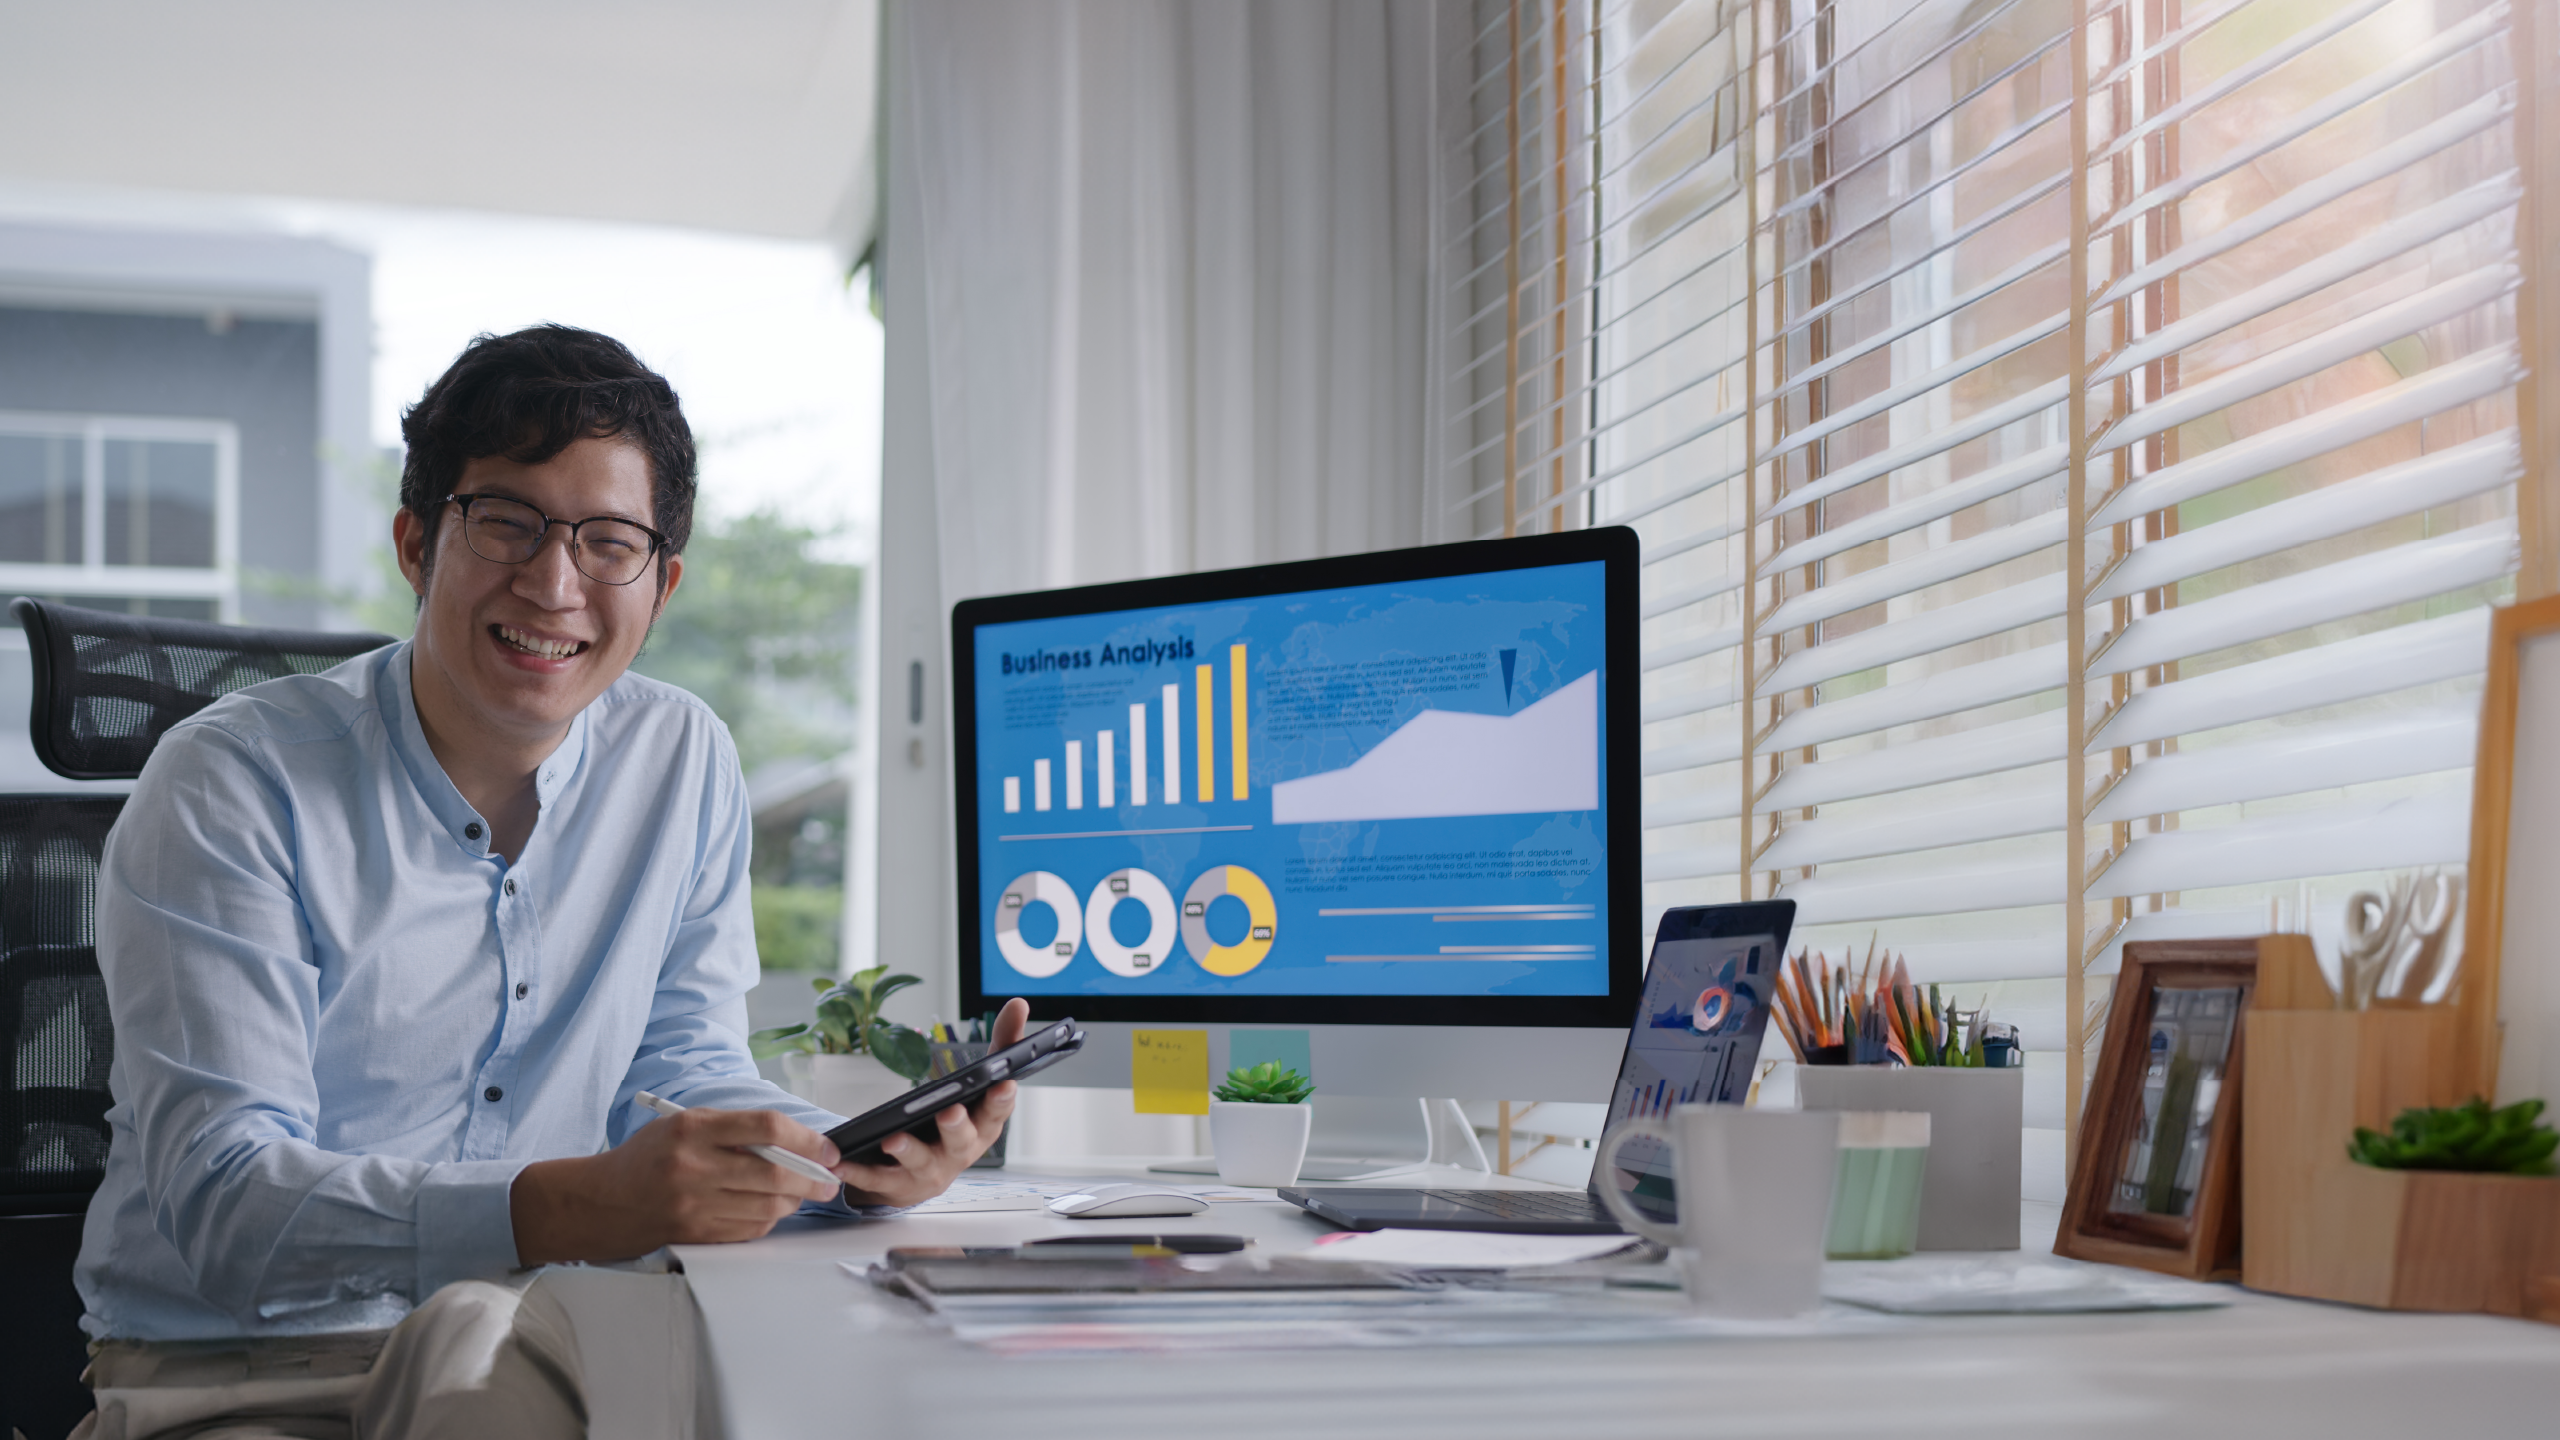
column 901, row 1049
column 781, row 1040
column 889, row 985
column 839, row 1022
column 1269, row 1083
column 2470, row 1138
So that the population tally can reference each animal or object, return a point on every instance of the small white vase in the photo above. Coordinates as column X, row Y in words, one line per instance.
column 845, row 1084
column 1259, row 1144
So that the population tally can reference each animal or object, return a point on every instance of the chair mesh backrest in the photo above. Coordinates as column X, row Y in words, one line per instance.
column 53, row 1006
column 107, row 686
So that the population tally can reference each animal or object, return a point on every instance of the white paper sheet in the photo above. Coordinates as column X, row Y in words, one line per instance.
column 969, row 1195
column 2008, row 1284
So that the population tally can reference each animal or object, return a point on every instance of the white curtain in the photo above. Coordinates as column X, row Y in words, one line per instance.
column 1173, row 260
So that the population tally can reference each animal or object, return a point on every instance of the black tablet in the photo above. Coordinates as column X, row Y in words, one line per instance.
column 858, row 1139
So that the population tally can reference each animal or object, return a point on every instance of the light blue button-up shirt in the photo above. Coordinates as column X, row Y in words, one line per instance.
column 343, row 1023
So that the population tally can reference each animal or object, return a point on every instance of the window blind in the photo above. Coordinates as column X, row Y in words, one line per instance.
column 1595, row 324
column 2073, row 442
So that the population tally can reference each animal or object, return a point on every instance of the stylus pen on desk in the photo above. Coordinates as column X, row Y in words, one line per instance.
column 791, row 1160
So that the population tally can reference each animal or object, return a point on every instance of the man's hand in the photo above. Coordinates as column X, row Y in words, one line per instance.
column 681, row 1181
column 923, row 1171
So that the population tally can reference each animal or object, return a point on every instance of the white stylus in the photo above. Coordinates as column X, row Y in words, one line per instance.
column 791, row 1160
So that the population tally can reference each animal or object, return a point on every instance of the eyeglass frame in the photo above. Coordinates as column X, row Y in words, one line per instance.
column 657, row 541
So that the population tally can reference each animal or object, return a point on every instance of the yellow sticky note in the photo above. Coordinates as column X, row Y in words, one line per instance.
column 1169, row 1071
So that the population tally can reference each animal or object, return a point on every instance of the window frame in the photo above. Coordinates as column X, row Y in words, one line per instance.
column 94, row 577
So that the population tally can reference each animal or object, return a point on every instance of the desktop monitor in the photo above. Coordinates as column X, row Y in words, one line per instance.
column 1380, row 811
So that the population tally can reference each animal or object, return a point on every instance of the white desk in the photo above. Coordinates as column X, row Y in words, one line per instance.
column 799, row 1348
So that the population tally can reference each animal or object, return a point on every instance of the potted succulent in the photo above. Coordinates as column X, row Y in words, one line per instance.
column 848, row 1059
column 1258, row 1122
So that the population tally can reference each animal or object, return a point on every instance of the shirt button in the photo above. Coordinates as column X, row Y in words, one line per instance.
column 511, row 887
column 471, row 831
column 523, row 989
column 493, row 1094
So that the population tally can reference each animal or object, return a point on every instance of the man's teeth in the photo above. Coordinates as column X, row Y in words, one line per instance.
column 534, row 645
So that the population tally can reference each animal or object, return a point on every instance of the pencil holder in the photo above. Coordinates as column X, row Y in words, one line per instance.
column 1977, row 1120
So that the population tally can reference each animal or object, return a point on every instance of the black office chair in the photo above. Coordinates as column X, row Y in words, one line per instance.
column 107, row 687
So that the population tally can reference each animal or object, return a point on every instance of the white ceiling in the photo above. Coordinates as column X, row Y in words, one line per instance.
column 753, row 116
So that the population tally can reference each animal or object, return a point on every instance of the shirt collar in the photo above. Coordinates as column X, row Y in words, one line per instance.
column 409, row 740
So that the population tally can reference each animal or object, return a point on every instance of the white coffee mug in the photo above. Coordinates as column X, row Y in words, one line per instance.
column 1754, row 1191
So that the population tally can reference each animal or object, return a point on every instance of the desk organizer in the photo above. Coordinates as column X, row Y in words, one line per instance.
column 1969, row 1193
column 2319, row 1225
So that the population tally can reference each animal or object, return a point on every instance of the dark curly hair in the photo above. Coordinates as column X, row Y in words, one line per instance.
column 530, row 395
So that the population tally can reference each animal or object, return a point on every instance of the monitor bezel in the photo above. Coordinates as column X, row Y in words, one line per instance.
column 1615, row 547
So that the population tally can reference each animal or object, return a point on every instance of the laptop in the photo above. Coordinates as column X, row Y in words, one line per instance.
column 1695, row 1040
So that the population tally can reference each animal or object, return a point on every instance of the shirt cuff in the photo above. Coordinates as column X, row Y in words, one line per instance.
column 466, row 1230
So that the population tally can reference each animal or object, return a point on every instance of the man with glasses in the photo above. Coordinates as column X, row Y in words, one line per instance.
column 391, row 951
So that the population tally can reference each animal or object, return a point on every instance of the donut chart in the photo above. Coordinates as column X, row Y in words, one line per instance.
column 1038, row 887
column 1714, row 1004
column 1148, row 955
column 1263, row 920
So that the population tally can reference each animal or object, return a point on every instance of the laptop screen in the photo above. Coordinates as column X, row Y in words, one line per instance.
column 1696, row 1039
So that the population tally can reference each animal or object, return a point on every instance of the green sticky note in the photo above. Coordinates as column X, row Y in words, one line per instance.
column 1252, row 1047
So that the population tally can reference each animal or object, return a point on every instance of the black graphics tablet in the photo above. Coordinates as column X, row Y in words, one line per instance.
column 858, row 1139
column 1695, row 1040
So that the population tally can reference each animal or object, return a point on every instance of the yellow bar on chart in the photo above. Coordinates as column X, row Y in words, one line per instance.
column 1235, row 714
column 1208, row 677
column 1169, row 1071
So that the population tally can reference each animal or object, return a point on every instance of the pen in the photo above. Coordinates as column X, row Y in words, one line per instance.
column 791, row 1160
column 1180, row 1244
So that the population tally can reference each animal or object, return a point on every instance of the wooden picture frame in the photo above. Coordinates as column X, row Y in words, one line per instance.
column 2132, row 1201
column 2509, row 1015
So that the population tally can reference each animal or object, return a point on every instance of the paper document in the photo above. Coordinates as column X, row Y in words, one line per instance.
column 1958, row 1283
column 1465, row 1249
column 968, row 1195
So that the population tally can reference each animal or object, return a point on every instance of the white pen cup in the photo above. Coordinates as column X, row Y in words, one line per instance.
column 1753, row 1196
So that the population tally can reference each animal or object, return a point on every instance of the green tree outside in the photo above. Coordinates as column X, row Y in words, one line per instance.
column 764, row 629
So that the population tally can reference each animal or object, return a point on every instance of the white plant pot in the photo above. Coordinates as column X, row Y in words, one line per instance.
column 1257, row 1144
column 1969, row 1192
column 845, row 1084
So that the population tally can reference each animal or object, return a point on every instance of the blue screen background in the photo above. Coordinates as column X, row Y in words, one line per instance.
column 1506, row 903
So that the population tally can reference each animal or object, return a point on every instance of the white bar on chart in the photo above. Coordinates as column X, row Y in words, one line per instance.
column 1075, row 774
column 1039, row 784
column 1013, row 794
column 1137, row 754
column 1105, row 767
column 1173, row 744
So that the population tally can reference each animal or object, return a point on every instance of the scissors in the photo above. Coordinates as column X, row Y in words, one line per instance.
column 2382, row 932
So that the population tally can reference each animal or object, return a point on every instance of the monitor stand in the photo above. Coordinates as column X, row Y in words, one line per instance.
column 1357, row 1137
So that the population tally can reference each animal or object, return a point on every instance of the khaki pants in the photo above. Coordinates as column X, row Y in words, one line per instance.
column 488, row 1360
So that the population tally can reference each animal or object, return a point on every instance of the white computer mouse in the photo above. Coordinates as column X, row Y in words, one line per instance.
column 1122, row 1202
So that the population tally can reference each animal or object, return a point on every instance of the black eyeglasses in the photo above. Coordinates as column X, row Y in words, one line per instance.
column 510, row 532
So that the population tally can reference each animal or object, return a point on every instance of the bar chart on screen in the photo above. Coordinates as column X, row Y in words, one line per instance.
column 1166, row 717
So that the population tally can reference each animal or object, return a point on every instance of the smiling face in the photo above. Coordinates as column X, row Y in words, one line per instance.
column 507, row 655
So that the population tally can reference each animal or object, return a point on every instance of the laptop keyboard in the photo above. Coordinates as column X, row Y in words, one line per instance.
column 1523, row 1204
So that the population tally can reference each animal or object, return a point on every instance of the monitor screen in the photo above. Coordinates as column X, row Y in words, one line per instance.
column 1378, row 789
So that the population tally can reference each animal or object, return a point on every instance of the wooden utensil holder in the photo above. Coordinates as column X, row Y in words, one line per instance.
column 2315, row 1223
